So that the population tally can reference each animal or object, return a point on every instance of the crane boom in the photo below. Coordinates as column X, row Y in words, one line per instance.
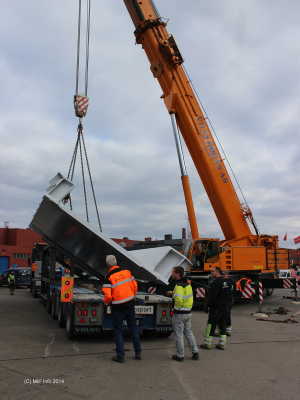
column 165, row 64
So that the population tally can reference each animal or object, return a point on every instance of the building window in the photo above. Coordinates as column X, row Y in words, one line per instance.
column 21, row 256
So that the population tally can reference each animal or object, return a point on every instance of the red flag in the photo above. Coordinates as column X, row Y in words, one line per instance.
column 297, row 240
column 285, row 237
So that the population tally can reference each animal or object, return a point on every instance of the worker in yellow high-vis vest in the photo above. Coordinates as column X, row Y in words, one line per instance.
column 12, row 282
column 182, row 314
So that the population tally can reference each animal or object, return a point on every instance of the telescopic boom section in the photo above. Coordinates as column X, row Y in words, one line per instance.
column 165, row 64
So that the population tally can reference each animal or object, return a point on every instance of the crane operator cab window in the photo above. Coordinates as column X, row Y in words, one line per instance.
column 205, row 251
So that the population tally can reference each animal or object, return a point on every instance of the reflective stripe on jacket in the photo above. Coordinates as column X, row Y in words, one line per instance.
column 11, row 278
column 119, row 287
column 183, row 297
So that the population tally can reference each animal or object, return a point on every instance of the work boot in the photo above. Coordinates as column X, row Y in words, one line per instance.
column 228, row 330
column 176, row 358
column 222, row 342
column 208, row 338
column 118, row 359
column 138, row 356
column 203, row 346
column 196, row 356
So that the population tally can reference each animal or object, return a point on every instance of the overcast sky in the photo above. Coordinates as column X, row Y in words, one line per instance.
column 244, row 60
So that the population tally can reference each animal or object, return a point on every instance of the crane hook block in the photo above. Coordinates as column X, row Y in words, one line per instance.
column 81, row 103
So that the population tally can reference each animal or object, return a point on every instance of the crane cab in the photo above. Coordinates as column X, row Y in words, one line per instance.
column 203, row 254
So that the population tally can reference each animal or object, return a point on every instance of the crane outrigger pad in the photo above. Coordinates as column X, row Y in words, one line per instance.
column 88, row 247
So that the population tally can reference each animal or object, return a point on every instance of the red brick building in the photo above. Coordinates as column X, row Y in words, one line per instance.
column 295, row 258
column 125, row 242
column 16, row 247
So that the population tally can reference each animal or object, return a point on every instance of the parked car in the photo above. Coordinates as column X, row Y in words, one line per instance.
column 22, row 277
column 284, row 274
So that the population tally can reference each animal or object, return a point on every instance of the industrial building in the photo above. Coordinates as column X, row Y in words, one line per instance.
column 16, row 247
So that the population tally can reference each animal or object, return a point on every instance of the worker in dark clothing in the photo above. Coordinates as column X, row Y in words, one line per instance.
column 119, row 288
column 217, row 306
column 12, row 282
column 229, row 282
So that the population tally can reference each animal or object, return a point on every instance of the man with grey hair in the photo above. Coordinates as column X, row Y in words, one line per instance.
column 111, row 260
column 119, row 288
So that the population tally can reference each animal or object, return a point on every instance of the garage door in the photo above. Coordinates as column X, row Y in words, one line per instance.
column 4, row 264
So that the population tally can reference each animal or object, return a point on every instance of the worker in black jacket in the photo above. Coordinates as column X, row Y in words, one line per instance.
column 229, row 282
column 217, row 306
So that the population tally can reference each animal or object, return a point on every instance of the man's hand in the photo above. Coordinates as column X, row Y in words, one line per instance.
column 206, row 309
column 169, row 293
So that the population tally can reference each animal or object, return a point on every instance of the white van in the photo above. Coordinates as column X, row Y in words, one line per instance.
column 284, row 273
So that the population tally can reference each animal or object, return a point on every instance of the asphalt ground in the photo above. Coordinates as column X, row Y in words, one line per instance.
column 37, row 360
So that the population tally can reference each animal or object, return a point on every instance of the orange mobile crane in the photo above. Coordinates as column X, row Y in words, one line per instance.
column 242, row 252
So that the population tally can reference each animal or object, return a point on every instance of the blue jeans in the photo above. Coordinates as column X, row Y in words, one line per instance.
column 129, row 316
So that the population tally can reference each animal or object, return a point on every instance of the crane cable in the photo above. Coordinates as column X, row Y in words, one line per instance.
column 81, row 103
column 252, row 218
column 88, row 24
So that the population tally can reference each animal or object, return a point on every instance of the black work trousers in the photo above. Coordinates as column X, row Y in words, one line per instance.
column 228, row 318
column 217, row 316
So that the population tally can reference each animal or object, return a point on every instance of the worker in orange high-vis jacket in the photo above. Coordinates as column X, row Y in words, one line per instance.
column 119, row 290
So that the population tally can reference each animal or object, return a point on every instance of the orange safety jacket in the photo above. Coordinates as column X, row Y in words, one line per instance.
column 242, row 283
column 119, row 288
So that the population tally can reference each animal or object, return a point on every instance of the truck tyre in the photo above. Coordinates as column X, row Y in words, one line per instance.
column 34, row 290
column 70, row 322
column 53, row 308
column 267, row 292
column 49, row 305
column 60, row 315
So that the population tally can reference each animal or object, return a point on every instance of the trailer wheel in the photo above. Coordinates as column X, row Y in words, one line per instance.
column 34, row 291
column 49, row 305
column 53, row 308
column 70, row 322
column 60, row 315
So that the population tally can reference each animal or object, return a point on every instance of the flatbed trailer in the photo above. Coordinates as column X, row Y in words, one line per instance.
column 86, row 313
